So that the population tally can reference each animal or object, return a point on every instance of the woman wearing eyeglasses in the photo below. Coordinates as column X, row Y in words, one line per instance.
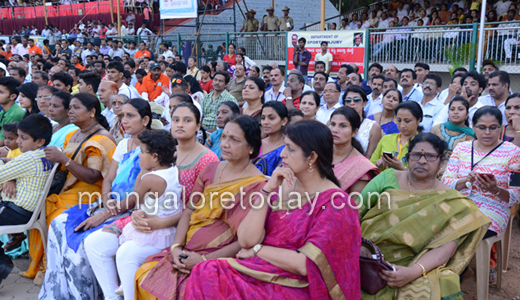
column 479, row 169
column 417, row 228
column 391, row 150
column 369, row 133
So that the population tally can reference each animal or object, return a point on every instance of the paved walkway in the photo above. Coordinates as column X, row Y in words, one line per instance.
column 16, row 287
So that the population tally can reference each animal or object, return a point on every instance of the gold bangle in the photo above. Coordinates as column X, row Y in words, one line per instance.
column 518, row 131
column 204, row 258
column 175, row 246
column 68, row 163
column 423, row 269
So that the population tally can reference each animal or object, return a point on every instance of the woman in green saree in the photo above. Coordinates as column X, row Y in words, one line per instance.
column 426, row 230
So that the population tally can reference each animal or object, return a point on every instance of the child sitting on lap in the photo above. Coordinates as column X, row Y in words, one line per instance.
column 157, row 192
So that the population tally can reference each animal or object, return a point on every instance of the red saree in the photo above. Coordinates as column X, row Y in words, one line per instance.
column 211, row 228
column 329, row 237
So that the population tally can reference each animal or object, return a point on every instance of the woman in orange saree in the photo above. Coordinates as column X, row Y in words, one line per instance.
column 209, row 224
column 86, row 171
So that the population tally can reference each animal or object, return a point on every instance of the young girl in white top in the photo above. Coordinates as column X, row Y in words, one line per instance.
column 157, row 192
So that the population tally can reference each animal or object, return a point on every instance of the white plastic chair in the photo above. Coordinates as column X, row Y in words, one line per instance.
column 38, row 219
column 483, row 257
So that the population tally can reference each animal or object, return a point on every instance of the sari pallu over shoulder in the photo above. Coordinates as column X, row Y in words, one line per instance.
column 354, row 168
column 268, row 162
column 421, row 223
column 332, row 257
column 212, row 227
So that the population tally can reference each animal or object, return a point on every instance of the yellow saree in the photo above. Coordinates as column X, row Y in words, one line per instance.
column 96, row 153
column 212, row 227
column 406, row 227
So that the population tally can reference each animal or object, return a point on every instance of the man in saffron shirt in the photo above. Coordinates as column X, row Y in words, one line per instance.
column 33, row 49
column 154, row 82
column 142, row 51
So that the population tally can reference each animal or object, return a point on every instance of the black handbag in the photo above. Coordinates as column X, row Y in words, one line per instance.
column 370, row 268
column 60, row 176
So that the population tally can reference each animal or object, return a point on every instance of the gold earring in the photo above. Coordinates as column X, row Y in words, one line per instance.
column 310, row 169
column 92, row 116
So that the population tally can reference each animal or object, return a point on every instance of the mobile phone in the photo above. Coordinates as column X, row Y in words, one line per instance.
column 488, row 175
column 184, row 256
column 388, row 155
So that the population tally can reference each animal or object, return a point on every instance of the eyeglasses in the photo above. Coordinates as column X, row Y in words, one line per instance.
column 416, row 156
column 330, row 92
column 43, row 98
column 356, row 100
column 426, row 83
column 484, row 128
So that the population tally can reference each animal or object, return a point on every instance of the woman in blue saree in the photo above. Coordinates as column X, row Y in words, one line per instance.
column 274, row 119
column 69, row 274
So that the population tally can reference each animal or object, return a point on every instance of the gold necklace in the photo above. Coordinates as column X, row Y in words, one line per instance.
column 221, row 171
column 313, row 195
column 412, row 191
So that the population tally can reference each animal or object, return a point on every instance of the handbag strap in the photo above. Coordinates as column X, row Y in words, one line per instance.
column 83, row 142
column 373, row 246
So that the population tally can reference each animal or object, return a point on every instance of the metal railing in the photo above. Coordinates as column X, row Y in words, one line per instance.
column 502, row 43
column 432, row 45
column 316, row 25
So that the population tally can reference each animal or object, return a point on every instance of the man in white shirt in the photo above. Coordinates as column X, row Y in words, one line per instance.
column 407, row 79
column 502, row 7
column 46, row 32
column 114, row 72
column 421, row 69
column 373, row 105
column 472, row 86
column 131, row 50
column 498, row 88
column 401, row 12
column 115, row 51
column 453, row 90
column 276, row 93
column 166, row 51
column 107, row 89
column 87, row 52
column 384, row 22
column 325, row 57
column 318, row 83
column 430, row 105
column 331, row 97
column 353, row 24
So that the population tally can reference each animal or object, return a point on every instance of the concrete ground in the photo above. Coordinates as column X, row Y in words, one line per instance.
column 16, row 287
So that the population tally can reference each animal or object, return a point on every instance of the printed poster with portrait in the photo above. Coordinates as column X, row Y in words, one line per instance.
column 346, row 47
column 178, row 9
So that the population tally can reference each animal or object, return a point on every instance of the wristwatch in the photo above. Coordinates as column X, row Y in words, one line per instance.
column 257, row 248
column 289, row 99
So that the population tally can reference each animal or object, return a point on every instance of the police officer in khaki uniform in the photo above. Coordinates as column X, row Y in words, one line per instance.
column 250, row 24
column 270, row 21
column 286, row 23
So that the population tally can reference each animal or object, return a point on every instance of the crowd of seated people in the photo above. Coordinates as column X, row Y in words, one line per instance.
column 185, row 187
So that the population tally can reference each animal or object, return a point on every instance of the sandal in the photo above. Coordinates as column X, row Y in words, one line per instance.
column 492, row 275
column 14, row 242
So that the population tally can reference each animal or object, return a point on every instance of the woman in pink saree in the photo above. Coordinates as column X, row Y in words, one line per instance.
column 310, row 249
column 352, row 169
